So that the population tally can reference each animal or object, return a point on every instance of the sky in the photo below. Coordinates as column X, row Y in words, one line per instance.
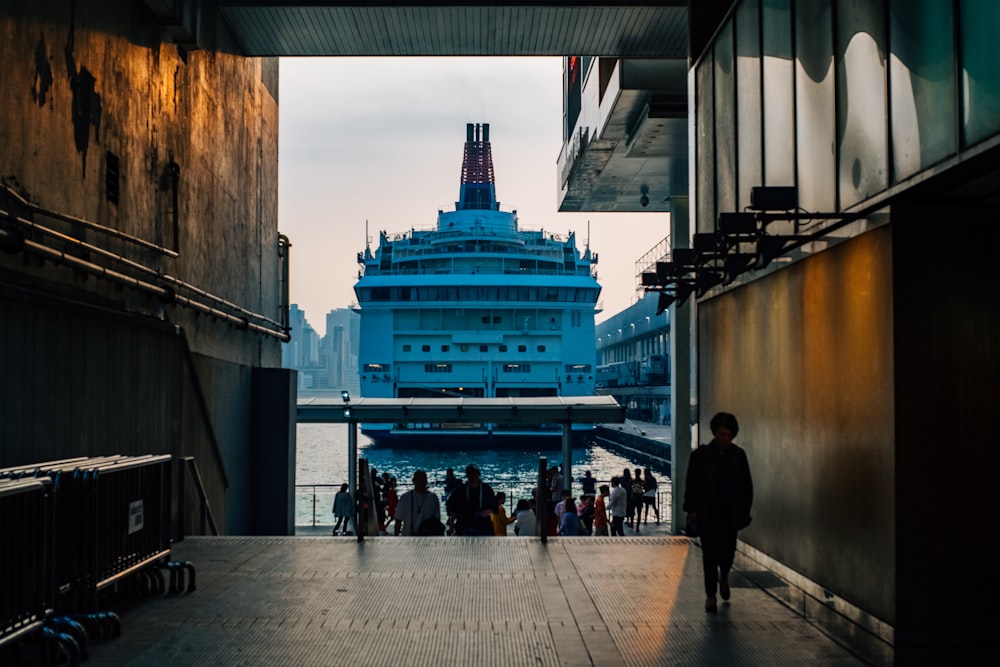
column 381, row 140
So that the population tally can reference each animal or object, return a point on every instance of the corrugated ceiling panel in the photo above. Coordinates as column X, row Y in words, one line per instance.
column 382, row 30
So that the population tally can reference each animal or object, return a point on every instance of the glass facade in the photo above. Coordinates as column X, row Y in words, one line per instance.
column 814, row 105
column 862, row 141
column 980, row 25
column 842, row 99
column 750, row 163
column 922, row 86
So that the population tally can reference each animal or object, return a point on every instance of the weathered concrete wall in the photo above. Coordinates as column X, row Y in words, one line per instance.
column 804, row 358
column 89, row 85
column 84, row 80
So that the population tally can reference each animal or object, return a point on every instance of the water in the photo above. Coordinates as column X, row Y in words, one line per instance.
column 322, row 460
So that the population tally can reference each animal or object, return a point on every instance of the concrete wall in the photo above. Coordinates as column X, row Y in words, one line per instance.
column 92, row 366
column 804, row 359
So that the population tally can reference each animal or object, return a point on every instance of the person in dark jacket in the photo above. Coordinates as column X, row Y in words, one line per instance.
column 472, row 504
column 717, row 499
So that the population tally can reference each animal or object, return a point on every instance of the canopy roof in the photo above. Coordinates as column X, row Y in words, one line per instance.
column 518, row 411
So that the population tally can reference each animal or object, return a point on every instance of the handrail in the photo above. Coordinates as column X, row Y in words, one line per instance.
column 205, row 508
column 662, row 497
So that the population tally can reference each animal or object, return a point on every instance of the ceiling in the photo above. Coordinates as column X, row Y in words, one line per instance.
column 640, row 28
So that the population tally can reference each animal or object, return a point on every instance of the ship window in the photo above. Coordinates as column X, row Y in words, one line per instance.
column 552, row 294
column 503, row 348
column 425, row 348
column 407, row 348
column 437, row 368
column 445, row 348
column 484, row 348
column 496, row 319
column 577, row 368
column 522, row 348
column 486, row 319
column 517, row 368
column 541, row 348
column 380, row 294
column 377, row 368
column 463, row 348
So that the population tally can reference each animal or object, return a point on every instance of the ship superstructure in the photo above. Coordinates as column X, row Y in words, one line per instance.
column 475, row 307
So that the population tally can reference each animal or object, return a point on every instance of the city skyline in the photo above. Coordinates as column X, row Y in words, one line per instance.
column 379, row 141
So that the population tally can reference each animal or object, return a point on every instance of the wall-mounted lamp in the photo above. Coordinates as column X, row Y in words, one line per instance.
column 644, row 199
column 740, row 243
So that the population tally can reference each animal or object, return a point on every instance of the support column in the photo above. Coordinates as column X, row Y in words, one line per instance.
column 567, row 452
column 352, row 459
column 681, row 376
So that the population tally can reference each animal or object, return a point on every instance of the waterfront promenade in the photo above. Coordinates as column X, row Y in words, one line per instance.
column 635, row 601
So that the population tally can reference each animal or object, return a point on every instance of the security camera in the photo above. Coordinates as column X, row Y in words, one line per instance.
column 644, row 200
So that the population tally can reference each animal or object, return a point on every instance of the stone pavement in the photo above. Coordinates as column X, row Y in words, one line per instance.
column 633, row 601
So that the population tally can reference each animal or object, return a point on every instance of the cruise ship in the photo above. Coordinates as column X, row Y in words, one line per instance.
column 476, row 307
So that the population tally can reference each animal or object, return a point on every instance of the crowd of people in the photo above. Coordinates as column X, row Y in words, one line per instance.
column 717, row 500
column 473, row 508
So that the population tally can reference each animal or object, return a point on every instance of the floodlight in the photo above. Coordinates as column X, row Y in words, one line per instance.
column 344, row 394
column 737, row 223
column 774, row 198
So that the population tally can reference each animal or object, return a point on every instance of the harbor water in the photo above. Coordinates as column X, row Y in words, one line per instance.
column 322, row 465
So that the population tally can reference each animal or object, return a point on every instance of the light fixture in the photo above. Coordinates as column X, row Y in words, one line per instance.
column 774, row 198
column 737, row 223
column 644, row 199
column 344, row 394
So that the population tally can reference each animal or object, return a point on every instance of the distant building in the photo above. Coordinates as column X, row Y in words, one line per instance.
column 324, row 364
column 633, row 362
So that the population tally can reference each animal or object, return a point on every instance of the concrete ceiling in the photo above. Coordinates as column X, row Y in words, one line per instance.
column 638, row 28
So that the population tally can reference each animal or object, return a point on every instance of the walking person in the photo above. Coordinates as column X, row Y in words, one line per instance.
column 416, row 507
column 343, row 509
column 617, row 504
column 649, row 485
column 636, row 492
column 626, row 483
column 718, row 498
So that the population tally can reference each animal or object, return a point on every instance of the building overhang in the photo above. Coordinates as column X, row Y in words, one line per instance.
column 629, row 149
column 636, row 28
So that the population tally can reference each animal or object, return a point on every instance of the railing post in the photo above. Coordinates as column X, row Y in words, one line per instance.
column 542, row 501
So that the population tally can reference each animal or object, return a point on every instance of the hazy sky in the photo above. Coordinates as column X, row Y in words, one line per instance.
column 381, row 139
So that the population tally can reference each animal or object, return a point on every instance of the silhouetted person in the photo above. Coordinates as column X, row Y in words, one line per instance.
column 417, row 506
column 472, row 505
column 343, row 510
column 718, row 497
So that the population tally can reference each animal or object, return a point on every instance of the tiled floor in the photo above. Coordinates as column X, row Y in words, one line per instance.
column 636, row 601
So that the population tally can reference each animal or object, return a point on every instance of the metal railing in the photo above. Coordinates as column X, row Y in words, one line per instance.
column 314, row 502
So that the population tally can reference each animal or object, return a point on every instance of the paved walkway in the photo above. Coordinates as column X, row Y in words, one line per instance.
column 633, row 601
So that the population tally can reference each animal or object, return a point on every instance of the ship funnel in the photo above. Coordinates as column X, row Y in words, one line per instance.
column 477, row 191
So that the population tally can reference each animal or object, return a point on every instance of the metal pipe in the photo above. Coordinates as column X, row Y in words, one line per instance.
column 88, row 224
column 164, row 294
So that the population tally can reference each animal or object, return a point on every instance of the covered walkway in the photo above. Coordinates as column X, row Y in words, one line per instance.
column 439, row 602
